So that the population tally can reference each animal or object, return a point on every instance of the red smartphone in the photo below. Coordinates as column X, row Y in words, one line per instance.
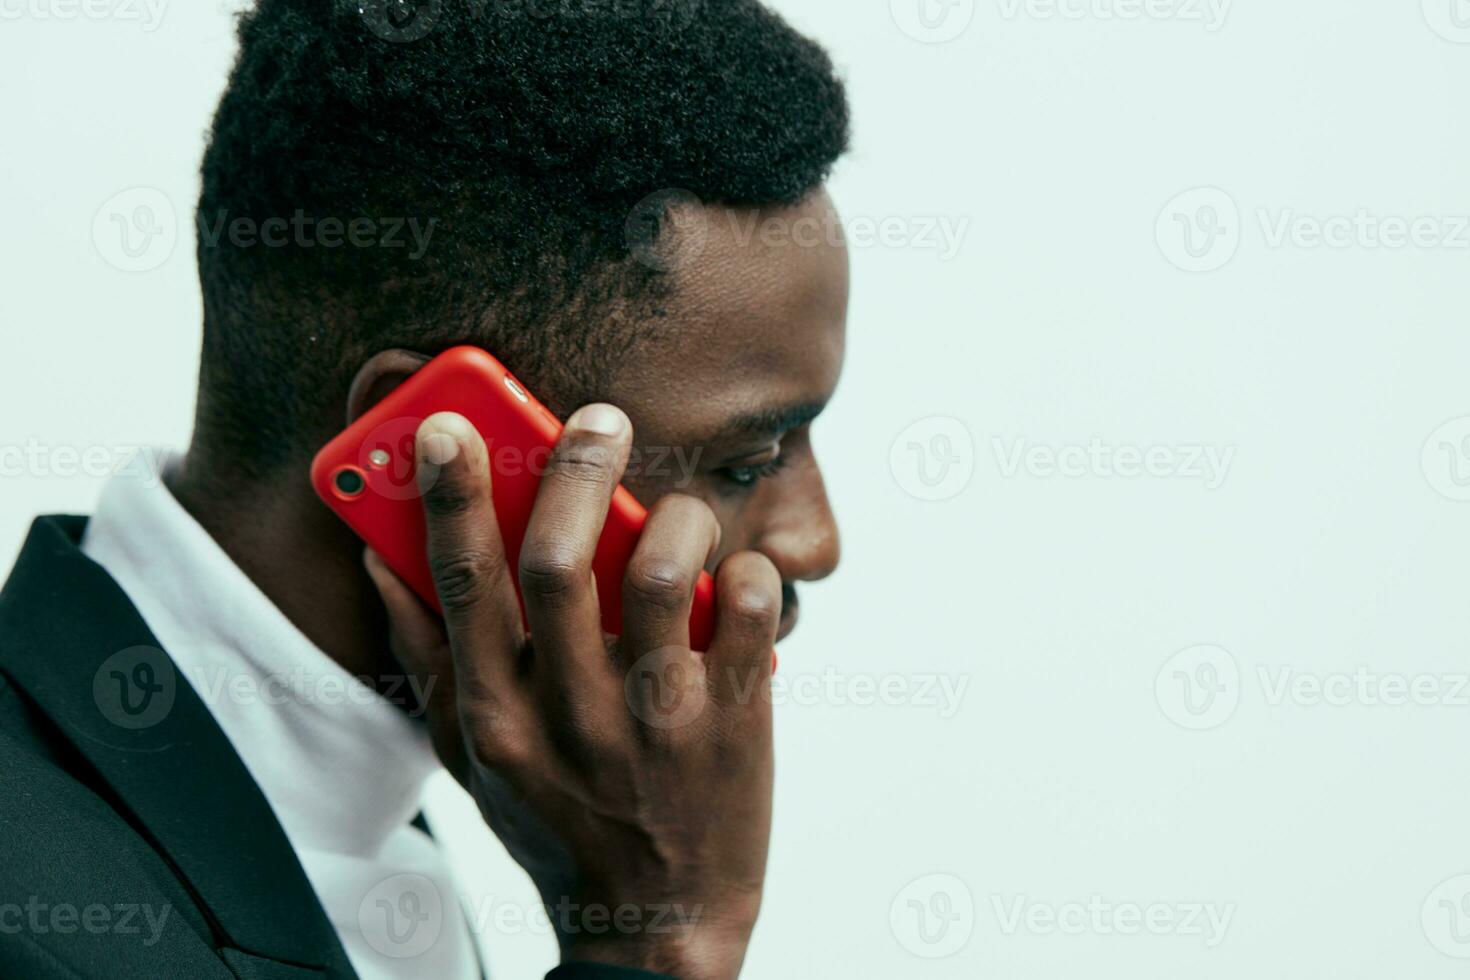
column 366, row 476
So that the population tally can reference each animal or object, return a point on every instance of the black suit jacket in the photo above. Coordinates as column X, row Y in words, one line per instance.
column 135, row 842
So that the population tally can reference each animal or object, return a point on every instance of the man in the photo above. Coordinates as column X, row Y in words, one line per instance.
column 623, row 201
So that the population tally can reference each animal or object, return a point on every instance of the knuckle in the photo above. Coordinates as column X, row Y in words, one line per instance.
column 494, row 742
column 659, row 582
column 583, row 463
column 550, row 572
column 446, row 498
column 462, row 579
column 586, row 733
column 753, row 608
column 751, row 571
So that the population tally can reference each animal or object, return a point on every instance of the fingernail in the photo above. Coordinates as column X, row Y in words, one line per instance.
column 599, row 419
column 376, row 569
column 438, row 447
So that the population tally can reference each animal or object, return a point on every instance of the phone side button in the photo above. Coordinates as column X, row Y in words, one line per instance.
column 515, row 389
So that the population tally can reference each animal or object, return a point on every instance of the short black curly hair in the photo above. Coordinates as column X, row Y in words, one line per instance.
column 508, row 142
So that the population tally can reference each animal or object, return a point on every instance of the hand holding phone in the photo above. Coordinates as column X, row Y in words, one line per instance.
column 634, row 779
column 369, row 476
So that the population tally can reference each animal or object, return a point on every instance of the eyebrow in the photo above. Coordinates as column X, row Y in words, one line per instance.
column 769, row 421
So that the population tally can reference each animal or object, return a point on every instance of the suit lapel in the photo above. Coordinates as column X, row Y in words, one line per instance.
column 71, row 639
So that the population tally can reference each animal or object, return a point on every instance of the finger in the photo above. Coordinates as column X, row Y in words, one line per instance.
column 747, row 618
column 411, row 625
column 561, row 540
column 467, row 558
column 658, row 586
column 417, row 639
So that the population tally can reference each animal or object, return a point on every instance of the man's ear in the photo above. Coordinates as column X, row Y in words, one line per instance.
column 380, row 374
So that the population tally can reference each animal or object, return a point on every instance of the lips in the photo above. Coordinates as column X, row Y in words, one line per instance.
column 790, row 611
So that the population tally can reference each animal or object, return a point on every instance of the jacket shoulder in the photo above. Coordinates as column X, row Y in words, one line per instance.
column 82, row 892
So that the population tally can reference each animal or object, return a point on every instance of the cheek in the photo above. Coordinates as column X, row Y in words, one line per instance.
column 648, row 483
column 735, row 527
column 655, row 471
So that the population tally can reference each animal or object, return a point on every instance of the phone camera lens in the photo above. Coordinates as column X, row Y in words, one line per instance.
column 349, row 482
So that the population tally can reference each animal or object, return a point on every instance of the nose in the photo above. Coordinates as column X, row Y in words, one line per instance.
column 800, row 534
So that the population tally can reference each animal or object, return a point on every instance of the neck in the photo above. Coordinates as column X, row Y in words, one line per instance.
column 298, row 553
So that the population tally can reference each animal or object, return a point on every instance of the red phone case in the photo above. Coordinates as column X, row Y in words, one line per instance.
column 519, row 433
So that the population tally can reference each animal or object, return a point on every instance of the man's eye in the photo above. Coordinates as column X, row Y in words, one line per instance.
column 749, row 476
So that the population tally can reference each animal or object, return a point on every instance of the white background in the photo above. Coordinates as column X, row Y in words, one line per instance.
column 1331, row 543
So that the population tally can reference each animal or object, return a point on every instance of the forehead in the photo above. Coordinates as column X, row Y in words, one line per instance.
column 757, row 320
